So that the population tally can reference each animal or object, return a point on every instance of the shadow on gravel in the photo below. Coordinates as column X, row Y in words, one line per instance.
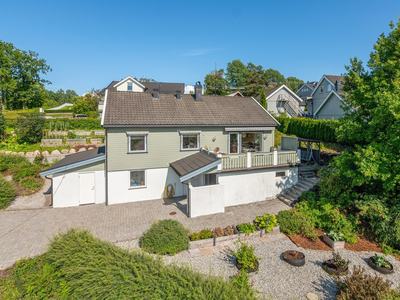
column 325, row 286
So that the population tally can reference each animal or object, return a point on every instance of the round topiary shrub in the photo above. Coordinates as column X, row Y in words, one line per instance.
column 165, row 237
column 7, row 192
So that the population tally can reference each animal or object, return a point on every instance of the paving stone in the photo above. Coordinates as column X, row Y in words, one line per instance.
column 206, row 251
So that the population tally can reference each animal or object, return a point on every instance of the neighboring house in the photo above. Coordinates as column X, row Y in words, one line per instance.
column 215, row 150
column 281, row 99
column 64, row 106
column 236, row 94
column 327, row 98
column 305, row 90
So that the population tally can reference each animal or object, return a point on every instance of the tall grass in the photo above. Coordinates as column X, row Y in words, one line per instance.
column 79, row 266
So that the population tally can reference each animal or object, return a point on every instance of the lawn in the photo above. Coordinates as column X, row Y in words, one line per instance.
column 79, row 266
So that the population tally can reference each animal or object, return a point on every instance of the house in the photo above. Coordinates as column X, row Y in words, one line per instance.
column 304, row 91
column 235, row 94
column 281, row 99
column 214, row 150
column 63, row 106
column 326, row 99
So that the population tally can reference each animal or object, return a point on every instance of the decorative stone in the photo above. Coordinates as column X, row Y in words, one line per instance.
column 29, row 154
column 21, row 153
column 8, row 152
column 55, row 152
column 64, row 151
column 36, row 153
column 2, row 151
column 72, row 151
column 14, row 153
column 45, row 153
column 90, row 148
column 81, row 150
column 312, row 296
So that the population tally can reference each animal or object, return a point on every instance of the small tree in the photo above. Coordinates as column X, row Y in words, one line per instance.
column 3, row 125
column 263, row 99
column 87, row 104
column 29, row 129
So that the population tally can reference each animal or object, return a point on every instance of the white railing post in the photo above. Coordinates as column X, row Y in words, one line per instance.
column 248, row 160
column 298, row 155
column 275, row 157
column 219, row 167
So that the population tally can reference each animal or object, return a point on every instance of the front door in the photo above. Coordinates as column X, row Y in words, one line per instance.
column 86, row 188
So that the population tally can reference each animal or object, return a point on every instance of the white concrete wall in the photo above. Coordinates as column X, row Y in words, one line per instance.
column 119, row 190
column 254, row 186
column 135, row 87
column 66, row 188
column 206, row 200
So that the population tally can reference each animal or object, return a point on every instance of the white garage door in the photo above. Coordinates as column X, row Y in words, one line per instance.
column 86, row 188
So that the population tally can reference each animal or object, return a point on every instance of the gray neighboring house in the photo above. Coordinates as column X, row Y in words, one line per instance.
column 281, row 99
column 305, row 90
column 327, row 98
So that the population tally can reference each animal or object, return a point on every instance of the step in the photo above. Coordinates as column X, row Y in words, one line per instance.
column 312, row 181
column 296, row 191
column 305, row 185
column 285, row 200
column 288, row 195
column 292, row 195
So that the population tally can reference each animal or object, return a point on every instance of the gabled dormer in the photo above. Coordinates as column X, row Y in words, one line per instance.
column 129, row 84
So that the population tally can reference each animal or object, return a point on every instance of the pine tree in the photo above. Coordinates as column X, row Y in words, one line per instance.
column 2, row 125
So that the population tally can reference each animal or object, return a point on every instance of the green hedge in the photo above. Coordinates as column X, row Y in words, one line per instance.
column 309, row 129
column 58, row 111
column 75, row 124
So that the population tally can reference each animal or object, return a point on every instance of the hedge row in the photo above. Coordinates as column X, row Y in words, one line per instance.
column 309, row 129
column 65, row 110
column 77, row 124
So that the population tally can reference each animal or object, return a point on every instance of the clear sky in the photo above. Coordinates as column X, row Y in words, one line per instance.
column 90, row 43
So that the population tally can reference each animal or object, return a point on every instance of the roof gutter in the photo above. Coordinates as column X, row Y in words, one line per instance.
column 72, row 166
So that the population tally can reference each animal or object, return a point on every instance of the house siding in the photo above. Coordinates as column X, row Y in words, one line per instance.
column 304, row 95
column 135, row 87
column 331, row 109
column 273, row 104
column 319, row 97
column 163, row 146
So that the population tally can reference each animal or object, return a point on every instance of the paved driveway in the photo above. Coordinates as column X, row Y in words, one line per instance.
column 26, row 233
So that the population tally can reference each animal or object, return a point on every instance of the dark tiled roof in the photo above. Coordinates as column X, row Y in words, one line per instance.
column 268, row 92
column 166, row 87
column 110, row 87
column 140, row 109
column 77, row 157
column 192, row 163
column 335, row 78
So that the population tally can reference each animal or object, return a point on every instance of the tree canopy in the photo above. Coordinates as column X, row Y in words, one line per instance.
column 236, row 73
column 293, row 82
column 216, row 83
column 21, row 84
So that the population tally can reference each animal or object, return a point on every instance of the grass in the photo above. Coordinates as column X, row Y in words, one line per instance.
column 15, row 114
column 79, row 266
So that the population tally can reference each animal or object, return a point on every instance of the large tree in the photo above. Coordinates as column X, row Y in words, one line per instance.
column 372, row 121
column 293, row 82
column 215, row 83
column 255, row 81
column 272, row 75
column 236, row 73
column 21, row 84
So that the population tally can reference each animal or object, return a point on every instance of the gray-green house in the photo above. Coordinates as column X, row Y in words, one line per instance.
column 216, row 150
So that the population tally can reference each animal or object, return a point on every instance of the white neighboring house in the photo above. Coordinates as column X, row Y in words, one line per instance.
column 65, row 105
column 281, row 99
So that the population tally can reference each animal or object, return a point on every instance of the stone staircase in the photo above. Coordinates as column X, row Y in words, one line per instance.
column 307, row 182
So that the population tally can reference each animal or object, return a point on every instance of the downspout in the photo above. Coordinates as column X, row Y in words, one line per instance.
column 106, row 168
column 51, row 204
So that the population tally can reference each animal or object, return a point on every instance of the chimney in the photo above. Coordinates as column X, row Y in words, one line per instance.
column 198, row 91
column 155, row 93
column 338, row 86
column 178, row 95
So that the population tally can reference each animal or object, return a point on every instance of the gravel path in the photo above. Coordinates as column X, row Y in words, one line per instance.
column 34, row 201
column 277, row 279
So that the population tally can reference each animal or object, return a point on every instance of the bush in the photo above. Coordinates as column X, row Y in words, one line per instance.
column 245, row 256
column 7, row 192
column 294, row 222
column 31, row 171
column 202, row 235
column 242, row 282
column 246, row 228
column 29, row 129
column 361, row 286
column 228, row 230
column 195, row 236
column 79, row 266
column 266, row 221
column 218, row 232
column 9, row 162
column 165, row 237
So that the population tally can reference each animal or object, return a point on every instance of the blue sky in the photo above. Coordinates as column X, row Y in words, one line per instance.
column 90, row 43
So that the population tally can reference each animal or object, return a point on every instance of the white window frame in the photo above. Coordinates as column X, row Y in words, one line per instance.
column 239, row 138
column 182, row 133
column 145, row 134
column 139, row 186
column 329, row 88
column 129, row 84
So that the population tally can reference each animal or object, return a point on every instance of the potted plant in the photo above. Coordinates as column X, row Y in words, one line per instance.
column 294, row 258
column 336, row 266
column 334, row 239
column 380, row 264
column 245, row 257
column 246, row 228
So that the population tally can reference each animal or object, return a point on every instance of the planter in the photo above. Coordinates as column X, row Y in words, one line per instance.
column 296, row 261
column 51, row 141
column 201, row 243
column 255, row 233
column 330, row 268
column 335, row 245
column 76, row 141
column 240, row 267
column 383, row 270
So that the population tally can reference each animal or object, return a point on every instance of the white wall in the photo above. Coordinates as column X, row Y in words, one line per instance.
column 206, row 200
column 119, row 190
column 135, row 87
column 254, row 186
column 66, row 188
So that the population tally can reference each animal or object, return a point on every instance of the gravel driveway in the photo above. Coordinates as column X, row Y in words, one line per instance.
column 276, row 278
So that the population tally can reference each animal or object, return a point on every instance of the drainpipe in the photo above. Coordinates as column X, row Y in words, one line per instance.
column 106, row 167
column 51, row 204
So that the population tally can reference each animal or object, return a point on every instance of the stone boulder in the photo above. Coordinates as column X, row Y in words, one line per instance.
column 72, row 151
column 29, row 154
column 36, row 153
column 81, row 150
column 64, row 151
column 21, row 153
column 45, row 153
column 55, row 152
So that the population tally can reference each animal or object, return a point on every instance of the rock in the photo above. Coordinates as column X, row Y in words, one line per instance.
column 55, row 152
column 8, row 152
column 36, row 153
column 2, row 151
column 29, row 154
column 45, row 153
column 90, row 148
column 14, row 153
column 72, row 151
column 64, row 151
column 81, row 150
column 312, row 296
column 21, row 153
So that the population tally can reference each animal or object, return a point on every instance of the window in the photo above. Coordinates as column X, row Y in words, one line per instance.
column 329, row 87
column 138, row 179
column 190, row 141
column 280, row 174
column 321, row 89
column 129, row 86
column 233, row 143
column 251, row 142
column 137, row 142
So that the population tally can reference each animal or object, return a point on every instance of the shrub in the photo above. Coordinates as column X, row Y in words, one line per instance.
column 218, row 232
column 266, row 221
column 7, row 192
column 244, row 254
column 246, row 228
column 71, row 135
column 228, row 230
column 242, row 282
column 361, row 286
column 294, row 222
column 29, row 129
column 195, row 236
column 21, row 173
column 165, row 237
column 339, row 262
column 9, row 162
column 206, row 234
